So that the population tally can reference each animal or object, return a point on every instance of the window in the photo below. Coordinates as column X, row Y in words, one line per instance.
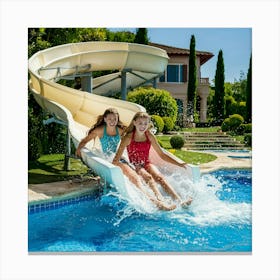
column 175, row 73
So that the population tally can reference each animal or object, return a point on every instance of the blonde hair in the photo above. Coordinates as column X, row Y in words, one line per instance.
column 138, row 115
column 100, row 119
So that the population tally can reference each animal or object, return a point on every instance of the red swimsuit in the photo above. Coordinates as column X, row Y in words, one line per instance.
column 138, row 152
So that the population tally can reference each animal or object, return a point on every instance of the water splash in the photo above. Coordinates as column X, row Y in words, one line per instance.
column 206, row 209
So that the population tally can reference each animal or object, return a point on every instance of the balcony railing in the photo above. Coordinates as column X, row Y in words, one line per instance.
column 204, row 81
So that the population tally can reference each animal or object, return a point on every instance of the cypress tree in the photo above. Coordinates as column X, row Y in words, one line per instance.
column 191, row 93
column 141, row 36
column 218, row 100
column 249, row 93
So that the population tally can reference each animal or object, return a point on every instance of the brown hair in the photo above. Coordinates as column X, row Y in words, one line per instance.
column 138, row 115
column 100, row 119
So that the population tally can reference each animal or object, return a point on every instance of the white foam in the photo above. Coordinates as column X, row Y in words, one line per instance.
column 206, row 208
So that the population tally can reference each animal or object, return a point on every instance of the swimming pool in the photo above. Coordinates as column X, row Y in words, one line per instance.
column 219, row 220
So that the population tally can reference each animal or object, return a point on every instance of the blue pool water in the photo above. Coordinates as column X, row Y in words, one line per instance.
column 219, row 220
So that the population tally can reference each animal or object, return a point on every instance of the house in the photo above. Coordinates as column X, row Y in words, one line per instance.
column 175, row 80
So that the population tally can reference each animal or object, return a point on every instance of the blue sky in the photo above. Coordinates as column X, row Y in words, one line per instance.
column 236, row 44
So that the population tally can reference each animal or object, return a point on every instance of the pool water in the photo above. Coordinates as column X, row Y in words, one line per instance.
column 218, row 220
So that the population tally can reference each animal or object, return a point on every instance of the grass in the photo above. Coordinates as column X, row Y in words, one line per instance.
column 187, row 156
column 49, row 168
column 194, row 157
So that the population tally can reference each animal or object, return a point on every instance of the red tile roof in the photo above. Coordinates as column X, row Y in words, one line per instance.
column 204, row 56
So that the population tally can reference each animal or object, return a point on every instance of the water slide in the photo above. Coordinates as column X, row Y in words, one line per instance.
column 132, row 65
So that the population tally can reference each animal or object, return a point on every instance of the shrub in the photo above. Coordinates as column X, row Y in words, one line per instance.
column 241, row 109
column 232, row 123
column 177, row 142
column 225, row 125
column 230, row 104
column 248, row 139
column 34, row 148
column 244, row 128
column 234, row 107
column 168, row 124
column 156, row 101
column 158, row 123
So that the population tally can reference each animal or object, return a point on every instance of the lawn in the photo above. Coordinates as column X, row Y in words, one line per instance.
column 187, row 156
column 49, row 168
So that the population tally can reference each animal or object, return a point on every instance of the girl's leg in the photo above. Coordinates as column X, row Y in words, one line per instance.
column 162, row 181
column 166, row 186
column 131, row 174
column 151, row 182
column 135, row 179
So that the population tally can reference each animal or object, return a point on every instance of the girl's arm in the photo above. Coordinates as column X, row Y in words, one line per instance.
column 124, row 142
column 160, row 152
column 84, row 141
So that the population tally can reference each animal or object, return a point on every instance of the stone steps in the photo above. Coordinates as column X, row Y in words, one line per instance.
column 210, row 141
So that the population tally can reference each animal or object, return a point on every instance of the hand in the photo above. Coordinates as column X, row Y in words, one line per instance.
column 78, row 153
column 183, row 165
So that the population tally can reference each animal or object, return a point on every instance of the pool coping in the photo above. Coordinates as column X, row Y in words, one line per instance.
column 49, row 192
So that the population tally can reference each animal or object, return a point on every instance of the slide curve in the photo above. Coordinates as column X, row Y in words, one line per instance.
column 79, row 109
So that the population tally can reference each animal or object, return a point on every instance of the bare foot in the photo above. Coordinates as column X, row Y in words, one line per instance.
column 186, row 203
column 165, row 207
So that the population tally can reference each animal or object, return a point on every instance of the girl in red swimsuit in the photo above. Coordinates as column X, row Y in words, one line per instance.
column 138, row 139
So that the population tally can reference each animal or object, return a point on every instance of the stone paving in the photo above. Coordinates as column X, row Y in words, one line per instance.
column 55, row 189
column 227, row 160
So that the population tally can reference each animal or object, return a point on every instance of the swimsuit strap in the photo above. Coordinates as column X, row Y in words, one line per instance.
column 104, row 131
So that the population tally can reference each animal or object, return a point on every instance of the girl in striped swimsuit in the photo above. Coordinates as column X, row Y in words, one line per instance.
column 108, row 128
column 138, row 139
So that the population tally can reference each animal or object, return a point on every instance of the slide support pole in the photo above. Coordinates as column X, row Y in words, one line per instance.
column 123, row 85
column 67, row 151
column 86, row 82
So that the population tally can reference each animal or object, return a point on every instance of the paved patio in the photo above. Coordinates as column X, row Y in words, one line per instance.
column 227, row 160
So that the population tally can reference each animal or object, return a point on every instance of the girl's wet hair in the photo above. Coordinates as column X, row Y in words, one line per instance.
column 100, row 119
column 138, row 115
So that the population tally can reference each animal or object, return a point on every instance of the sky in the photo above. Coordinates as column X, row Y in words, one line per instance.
column 236, row 44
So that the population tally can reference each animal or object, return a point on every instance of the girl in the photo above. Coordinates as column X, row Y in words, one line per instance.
column 138, row 139
column 108, row 128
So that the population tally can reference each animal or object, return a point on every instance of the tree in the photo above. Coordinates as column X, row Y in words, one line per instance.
column 218, row 100
column 191, row 93
column 249, row 93
column 141, row 36
column 121, row 36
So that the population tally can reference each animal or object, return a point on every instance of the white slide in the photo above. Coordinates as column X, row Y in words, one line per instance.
column 79, row 109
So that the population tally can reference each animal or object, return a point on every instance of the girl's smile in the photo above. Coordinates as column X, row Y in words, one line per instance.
column 111, row 120
column 141, row 124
